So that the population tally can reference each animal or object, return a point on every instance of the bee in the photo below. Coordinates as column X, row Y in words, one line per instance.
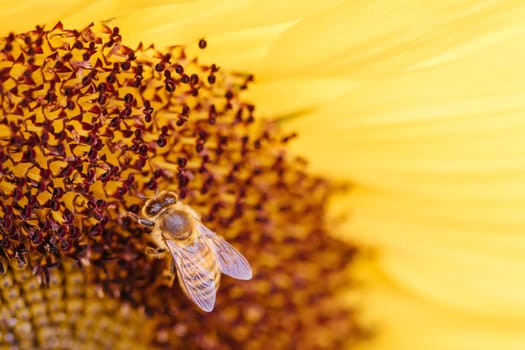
column 198, row 254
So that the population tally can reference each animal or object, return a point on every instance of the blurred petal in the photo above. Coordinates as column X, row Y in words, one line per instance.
column 277, row 98
column 430, row 326
column 25, row 15
column 371, row 39
column 188, row 21
column 435, row 152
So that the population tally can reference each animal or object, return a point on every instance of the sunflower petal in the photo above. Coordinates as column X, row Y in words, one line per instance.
column 373, row 39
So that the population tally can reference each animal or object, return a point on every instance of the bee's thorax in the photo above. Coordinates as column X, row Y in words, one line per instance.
column 176, row 224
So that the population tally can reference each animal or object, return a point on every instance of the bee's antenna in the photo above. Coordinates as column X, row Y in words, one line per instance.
column 142, row 197
column 138, row 219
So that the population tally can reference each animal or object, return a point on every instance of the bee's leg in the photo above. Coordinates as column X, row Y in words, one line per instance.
column 155, row 253
column 169, row 275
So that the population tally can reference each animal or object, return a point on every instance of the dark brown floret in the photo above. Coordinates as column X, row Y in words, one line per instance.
column 90, row 127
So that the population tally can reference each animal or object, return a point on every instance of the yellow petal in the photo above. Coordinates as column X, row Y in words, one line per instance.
column 188, row 21
column 238, row 32
column 435, row 152
column 420, row 324
column 371, row 39
column 280, row 98
column 77, row 13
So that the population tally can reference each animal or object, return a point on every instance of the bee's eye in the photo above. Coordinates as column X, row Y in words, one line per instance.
column 153, row 208
column 169, row 199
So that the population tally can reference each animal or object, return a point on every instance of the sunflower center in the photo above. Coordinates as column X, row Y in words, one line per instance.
column 90, row 128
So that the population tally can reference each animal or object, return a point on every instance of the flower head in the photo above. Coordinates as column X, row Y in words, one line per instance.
column 89, row 129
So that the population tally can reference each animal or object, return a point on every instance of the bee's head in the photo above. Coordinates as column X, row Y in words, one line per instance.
column 158, row 203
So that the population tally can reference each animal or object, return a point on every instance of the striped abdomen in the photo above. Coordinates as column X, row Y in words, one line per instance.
column 197, row 271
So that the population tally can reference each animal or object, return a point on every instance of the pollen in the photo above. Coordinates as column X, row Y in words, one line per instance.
column 89, row 129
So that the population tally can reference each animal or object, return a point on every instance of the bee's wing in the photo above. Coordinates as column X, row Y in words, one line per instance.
column 231, row 261
column 195, row 279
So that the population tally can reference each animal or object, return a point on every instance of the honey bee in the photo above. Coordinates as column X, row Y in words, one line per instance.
column 199, row 254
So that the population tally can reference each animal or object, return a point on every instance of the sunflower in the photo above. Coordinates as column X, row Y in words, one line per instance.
column 431, row 138
column 415, row 106
column 93, row 125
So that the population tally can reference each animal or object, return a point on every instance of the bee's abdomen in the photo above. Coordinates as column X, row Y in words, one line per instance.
column 201, row 270
column 206, row 260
